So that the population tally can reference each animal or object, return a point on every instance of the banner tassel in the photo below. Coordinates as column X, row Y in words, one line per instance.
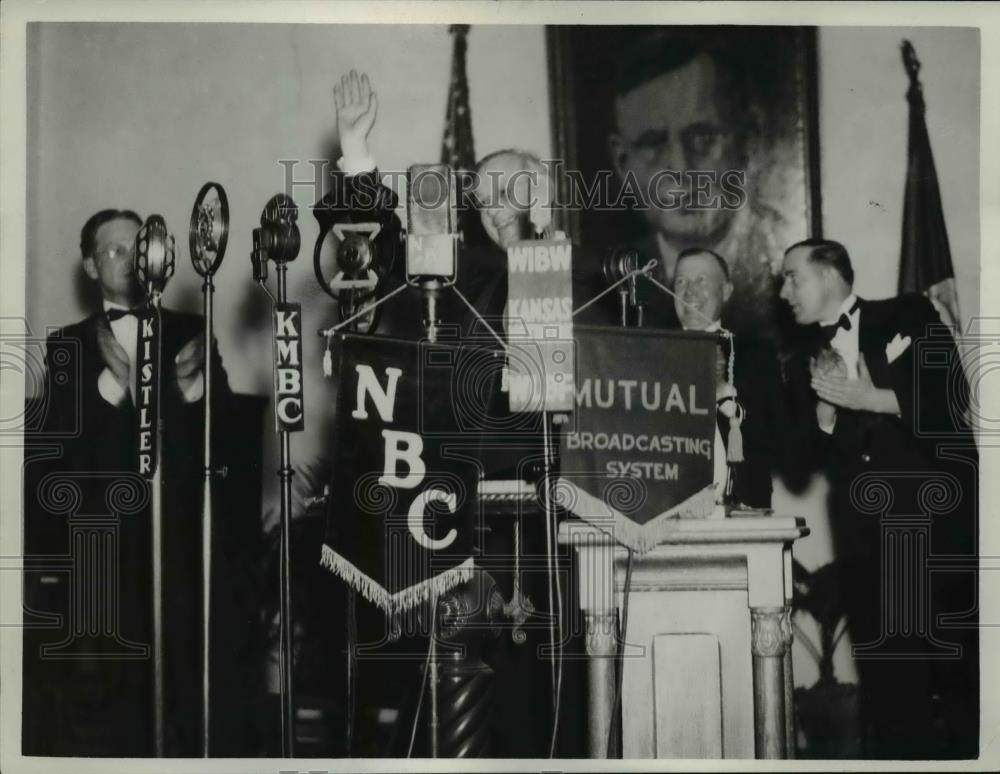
column 327, row 359
column 734, row 448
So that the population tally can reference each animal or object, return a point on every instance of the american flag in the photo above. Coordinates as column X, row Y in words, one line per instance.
column 457, row 148
column 925, row 264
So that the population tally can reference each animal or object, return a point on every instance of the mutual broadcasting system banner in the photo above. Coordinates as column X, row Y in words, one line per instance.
column 640, row 452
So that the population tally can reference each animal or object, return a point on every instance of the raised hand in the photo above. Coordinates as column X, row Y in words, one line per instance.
column 357, row 107
column 113, row 355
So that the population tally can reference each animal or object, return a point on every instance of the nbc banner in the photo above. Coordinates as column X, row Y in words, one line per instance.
column 405, row 472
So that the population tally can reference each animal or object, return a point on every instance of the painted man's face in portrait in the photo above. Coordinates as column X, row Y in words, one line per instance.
column 669, row 127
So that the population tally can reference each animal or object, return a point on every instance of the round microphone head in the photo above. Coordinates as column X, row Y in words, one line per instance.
column 209, row 230
column 280, row 230
column 619, row 263
column 355, row 254
column 154, row 254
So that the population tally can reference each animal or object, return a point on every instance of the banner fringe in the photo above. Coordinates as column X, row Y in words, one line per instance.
column 409, row 597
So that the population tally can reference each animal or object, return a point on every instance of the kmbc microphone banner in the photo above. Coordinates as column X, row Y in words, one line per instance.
column 286, row 321
column 401, row 512
column 640, row 455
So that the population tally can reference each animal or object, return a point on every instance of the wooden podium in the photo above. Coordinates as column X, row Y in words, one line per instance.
column 707, row 663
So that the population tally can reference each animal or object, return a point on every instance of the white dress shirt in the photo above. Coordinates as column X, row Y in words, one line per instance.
column 126, row 332
column 351, row 165
column 846, row 344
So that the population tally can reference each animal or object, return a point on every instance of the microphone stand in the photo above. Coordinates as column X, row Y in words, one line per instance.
column 278, row 239
column 352, row 286
column 154, row 265
column 209, row 231
column 623, row 263
column 619, row 268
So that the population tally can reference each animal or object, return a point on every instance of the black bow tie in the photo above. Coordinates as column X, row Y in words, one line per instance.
column 844, row 321
column 116, row 314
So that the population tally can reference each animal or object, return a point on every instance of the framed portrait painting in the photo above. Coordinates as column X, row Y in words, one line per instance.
column 670, row 138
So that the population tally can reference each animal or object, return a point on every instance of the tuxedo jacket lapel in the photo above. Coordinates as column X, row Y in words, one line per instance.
column 872, row 337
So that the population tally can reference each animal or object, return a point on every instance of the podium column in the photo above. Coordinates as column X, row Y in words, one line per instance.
column 770, row 640
column 595, row 574
column 715, row 596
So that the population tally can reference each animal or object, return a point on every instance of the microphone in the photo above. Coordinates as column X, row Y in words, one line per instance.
column 354, row 284
column 258, row 258
column 431, row 235
column 208, row 234
column 279, row 229
column 277, row 239
column 154, row 265
column 154, row 256
column 209, row 229
column 618, row 263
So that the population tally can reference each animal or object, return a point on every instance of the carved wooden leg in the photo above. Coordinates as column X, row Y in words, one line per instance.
column 467, row 616
column 789, row 704
column 601, row 681
column 466, row 699
column 771, row 636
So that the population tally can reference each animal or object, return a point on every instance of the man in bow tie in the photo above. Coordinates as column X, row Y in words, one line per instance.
column 879, row 397
column 108, row 246
column 102, row 706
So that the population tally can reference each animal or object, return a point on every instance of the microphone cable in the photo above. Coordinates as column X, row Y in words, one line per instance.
column 620, row 659
column 423, row 681
column 555, row 595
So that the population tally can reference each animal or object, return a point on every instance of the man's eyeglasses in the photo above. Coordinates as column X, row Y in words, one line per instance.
column 116, row 251
column 698, row 141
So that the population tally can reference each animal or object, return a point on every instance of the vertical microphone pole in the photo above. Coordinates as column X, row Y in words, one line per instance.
column 353, row 287
column 432, row 265
column 154, row 265
column 619, row 266
column 209, row 231
column 278, row 240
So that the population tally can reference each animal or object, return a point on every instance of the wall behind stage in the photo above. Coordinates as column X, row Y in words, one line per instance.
column 141, row 115
column 863, row 130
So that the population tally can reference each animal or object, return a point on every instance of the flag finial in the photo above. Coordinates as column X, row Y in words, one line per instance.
column 910, row 61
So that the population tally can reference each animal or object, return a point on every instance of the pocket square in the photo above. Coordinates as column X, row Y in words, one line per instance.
column 896, row 347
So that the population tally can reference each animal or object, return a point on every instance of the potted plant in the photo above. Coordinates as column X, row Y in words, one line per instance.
column 827, row 711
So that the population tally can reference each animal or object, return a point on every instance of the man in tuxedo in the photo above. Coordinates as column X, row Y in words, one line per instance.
column 100, row 703
column 703, row 287
column 879, row 396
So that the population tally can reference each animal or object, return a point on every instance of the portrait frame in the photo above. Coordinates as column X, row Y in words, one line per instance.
column 782, row 169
